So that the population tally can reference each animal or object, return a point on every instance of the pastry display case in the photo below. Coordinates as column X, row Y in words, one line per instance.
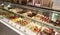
column 24, row 19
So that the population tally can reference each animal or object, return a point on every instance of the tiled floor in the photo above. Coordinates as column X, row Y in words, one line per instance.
column 4, row 30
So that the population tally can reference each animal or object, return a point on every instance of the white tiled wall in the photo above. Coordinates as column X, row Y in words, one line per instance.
column 56, row 4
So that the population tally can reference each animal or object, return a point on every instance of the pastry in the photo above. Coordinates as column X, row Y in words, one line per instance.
column 2, row 6
column 35, row 29
column 23, row 22
column 48, row 31
column 16, row 10
column 30, row 14
column 24, row 11
column 14, row 18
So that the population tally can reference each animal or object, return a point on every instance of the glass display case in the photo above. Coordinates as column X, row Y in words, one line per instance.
column 32, row 19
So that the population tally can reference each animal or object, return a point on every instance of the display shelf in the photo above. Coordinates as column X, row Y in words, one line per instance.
column 41, row 23
column 38, row 22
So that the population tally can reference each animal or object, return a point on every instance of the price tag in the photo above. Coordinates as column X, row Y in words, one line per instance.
column 14, row 24
column 10, row 22
column 17, row 26
column 6, row 20
column 22, row 28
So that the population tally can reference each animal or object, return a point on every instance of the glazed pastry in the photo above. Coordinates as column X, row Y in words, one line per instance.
column 26, row 13
column 48, row 31
column 38, row 17
column 2, row 6
column 35, row 29
column 16, row 10
column 23, row 22
column 16, row 19
column 30, row 14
